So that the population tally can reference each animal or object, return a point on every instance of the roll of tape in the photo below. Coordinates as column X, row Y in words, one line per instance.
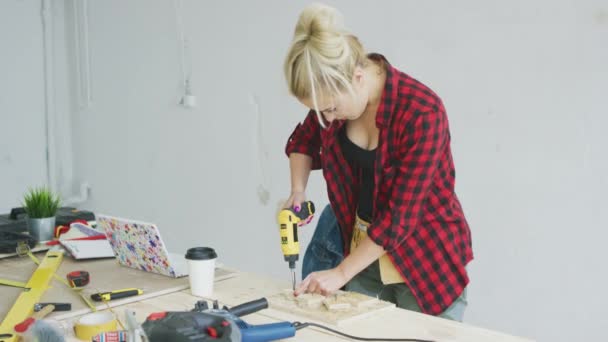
column 94, row 324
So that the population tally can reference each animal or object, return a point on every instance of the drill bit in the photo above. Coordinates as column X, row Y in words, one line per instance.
column 293, row 279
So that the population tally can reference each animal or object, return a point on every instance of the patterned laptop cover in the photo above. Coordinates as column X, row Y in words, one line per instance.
column 137, row 245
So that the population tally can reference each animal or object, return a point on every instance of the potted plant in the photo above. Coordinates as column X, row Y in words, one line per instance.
column 41, row 206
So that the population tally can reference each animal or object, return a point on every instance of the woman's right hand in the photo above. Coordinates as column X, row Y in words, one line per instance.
column 295, row 200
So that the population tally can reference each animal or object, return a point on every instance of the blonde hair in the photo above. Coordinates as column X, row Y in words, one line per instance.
column 322, row 56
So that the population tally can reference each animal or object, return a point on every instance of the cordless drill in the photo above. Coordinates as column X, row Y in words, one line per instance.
column 289, row 220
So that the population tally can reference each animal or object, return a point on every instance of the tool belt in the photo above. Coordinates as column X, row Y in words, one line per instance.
column 10, row 240
column 388, row 272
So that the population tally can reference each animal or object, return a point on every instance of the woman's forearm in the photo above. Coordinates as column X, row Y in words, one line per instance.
column 366, row 253
column 300, row 165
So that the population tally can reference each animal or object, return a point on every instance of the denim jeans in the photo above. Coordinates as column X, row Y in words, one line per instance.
column 325, row 250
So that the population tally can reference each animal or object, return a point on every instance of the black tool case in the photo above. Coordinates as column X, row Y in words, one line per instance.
column 15, row 220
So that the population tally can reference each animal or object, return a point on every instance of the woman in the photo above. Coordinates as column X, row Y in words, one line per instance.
column 382, row 140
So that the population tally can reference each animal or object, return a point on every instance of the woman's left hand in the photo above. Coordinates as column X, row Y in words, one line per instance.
column 323, row 282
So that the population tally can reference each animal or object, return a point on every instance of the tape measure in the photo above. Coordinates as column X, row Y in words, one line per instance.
column 78, row 278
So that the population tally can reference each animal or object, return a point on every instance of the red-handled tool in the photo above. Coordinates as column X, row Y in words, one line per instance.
column 28, row 322
column 61, row 230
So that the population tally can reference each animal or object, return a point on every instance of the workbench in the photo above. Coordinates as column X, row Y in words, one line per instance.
column 233, row 289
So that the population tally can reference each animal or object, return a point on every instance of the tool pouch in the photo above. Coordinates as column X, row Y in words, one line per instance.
column 388, row 271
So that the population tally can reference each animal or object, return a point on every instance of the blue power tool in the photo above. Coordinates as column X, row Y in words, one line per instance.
column 214, row 324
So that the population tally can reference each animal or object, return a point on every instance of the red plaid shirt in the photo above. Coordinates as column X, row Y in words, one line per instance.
column 416, row 217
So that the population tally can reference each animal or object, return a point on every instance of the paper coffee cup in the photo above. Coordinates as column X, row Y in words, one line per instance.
column 201, row 270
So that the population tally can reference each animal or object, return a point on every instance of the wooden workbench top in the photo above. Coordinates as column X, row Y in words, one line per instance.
column 389, row 323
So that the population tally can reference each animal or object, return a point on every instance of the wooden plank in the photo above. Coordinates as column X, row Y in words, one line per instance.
column 172, row 302
column 106, row 275
column 390, row 323
column 335, row 309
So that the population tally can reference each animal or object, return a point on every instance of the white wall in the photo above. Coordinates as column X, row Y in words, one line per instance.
column 22, row 125
column 523, row 82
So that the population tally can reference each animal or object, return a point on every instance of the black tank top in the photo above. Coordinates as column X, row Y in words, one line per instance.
column 364, row 160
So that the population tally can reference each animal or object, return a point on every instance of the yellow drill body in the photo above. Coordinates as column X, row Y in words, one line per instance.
column 288, row 229
column 289, row 220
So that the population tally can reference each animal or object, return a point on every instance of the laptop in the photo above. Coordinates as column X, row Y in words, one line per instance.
column 139, row 245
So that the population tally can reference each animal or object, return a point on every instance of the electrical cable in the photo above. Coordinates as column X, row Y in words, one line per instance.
column 182, row 40
column 299, row 325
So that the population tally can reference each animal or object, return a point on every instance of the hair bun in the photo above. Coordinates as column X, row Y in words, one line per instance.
column 323, row 55
column 319, row 20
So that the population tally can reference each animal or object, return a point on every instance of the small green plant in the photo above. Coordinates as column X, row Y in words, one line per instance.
column 41, row 203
